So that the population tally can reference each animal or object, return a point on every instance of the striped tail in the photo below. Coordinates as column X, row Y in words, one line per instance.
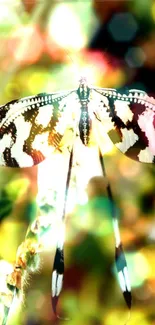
column 58, row 267
column 120, row 259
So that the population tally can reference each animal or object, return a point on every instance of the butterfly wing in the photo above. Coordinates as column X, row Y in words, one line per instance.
column 31, row 128
column 131, row 117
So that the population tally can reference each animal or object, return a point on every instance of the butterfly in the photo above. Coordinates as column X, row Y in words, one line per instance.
column 32, row 128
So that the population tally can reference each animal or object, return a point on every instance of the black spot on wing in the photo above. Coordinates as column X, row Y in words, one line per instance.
column 36, row 129
column 128, row 298
column 11, row 128
column 5, row 108
column 134, row 151
column 116, row 134
column 36, row 155
column 137, row 109
column 3, row 111
column 121, row 265
column 59, row 261
column 120, row 258
column 11, row 162
column 31, row 114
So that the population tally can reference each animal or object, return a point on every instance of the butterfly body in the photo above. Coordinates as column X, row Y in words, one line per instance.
column 33, row 127
column 85, row 122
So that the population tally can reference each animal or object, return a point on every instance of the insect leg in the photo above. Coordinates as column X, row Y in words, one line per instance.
column 58, row 267
column 120, row 260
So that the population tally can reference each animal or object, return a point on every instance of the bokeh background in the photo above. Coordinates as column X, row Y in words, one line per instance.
column 44, row 46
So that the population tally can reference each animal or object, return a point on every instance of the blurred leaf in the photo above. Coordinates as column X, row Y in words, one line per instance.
column 6, row 206
column 90, row 255
column 15, row 189
column 31, row 211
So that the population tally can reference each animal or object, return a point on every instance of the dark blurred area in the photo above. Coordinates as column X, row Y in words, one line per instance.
column 127, row 32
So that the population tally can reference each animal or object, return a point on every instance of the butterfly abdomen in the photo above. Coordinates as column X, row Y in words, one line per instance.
column 85, row 120
column 84, row 124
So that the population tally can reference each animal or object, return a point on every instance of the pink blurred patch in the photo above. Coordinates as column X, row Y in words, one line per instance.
column 26, row 44
column 146, row 122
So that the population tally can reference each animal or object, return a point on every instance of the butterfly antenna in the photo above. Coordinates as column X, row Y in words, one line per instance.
column 75, row 64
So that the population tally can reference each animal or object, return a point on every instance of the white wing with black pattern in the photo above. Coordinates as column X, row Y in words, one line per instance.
column 31, row 128
column 131, row 117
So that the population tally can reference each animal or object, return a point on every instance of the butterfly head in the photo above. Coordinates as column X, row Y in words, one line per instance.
column 83, row 90
column 83, row 81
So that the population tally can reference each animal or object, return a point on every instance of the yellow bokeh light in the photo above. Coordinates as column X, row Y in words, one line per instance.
column 140, row 269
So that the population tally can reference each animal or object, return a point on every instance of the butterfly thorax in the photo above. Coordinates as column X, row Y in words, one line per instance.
column 85, row 123
column 83, row 91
